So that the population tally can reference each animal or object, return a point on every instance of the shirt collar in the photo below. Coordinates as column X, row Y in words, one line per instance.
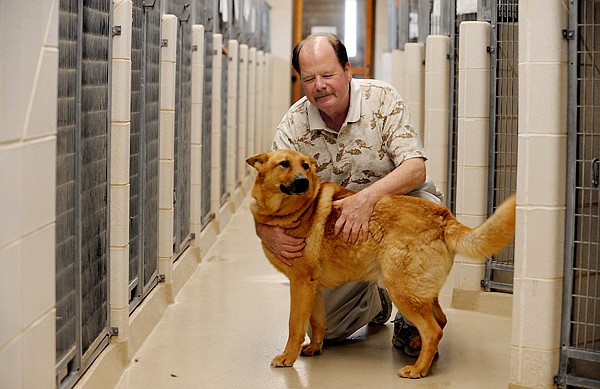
column 315, row 122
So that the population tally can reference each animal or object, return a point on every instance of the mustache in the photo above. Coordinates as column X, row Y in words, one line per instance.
column 317, row 95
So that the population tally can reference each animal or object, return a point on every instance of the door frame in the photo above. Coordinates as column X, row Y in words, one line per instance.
column 365, row 71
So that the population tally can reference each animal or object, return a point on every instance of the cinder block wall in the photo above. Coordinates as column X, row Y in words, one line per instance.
column 472, row 158
column 28, row 96
column 541, row 183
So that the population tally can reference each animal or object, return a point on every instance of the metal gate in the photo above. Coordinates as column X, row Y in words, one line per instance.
column 144, row 150
column 504, row 105
column 209, row 26
column 183, row 126
column 453, row 101
column 83, row 119
column 223, row 23
column 580, row 336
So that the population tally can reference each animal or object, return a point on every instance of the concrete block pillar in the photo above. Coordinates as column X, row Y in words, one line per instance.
column 436, row 100
column 541, row 195
column 243, row 152
column 119, row 170
column 168, row 63
column 414, row 83
column 252, row 147
column 472, row 158
column 386, row 68
column 398, row 71
column 232, row 112
column 261, row 134
column 196, row 138
column 217, row 100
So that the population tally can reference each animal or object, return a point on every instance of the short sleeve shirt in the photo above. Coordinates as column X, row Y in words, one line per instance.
column 376, row 137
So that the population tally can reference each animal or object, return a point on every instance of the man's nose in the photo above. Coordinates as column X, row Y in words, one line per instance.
column 320, row 82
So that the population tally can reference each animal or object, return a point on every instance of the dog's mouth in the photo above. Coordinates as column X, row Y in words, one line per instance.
column 297, row 187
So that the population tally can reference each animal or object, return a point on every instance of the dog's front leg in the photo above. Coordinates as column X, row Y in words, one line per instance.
column 318, row 325
column 302, row 294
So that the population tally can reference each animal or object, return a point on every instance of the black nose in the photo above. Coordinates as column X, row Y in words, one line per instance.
column 296, row 187
column 300, row 185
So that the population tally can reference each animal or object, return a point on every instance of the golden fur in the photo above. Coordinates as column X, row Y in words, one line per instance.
column 411, row 248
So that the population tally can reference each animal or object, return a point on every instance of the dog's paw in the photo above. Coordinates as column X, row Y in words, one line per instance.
column 282, row 361
column 310, row 350
column 411, row 372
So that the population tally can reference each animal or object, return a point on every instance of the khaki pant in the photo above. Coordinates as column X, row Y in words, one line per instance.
column 353, row 305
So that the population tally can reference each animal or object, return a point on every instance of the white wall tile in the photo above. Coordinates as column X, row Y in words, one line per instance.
column 122, row 16
column 41, row 116
column 169, row 25
column 119, row 215
column 39, row 353
column 120, row 143
column 533, row 84
column 10, row 292
column 10, row 365
column 38, row 274
column 551, row 17
column 38, row 183
column 10, row 192
column 543, row 177
column 167, row 85
column 537, row 313
column 121, row 90
column 540, row 240
column 119, row 278
column 167, row 179
column 167, row 134
column 165, row 233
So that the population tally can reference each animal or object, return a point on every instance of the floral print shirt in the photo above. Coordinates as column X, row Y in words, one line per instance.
column 376, row 137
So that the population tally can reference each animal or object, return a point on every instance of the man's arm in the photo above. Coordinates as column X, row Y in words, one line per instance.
column 357, row 209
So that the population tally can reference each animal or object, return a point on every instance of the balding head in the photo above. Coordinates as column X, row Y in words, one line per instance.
column 313, row 42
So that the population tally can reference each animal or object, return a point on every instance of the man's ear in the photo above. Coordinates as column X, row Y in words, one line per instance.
column 256, row 161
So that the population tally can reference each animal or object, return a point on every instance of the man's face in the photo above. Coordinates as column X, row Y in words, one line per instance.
column 324, row 80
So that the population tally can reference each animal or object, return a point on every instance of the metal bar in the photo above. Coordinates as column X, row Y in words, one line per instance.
column 447, row 16
column 78, row 234
column 577, row 111
column 585, row 355
column 402, row 25
column 492, row 109
column 424, row 11
column 581, row 382
column 393, row 25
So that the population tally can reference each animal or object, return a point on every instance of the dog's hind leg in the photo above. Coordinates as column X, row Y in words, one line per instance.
column 422, row 316
column 302, row 294
column 318, row 325
column 440, row 317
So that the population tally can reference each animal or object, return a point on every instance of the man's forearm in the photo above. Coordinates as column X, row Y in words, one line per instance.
column 402, row 180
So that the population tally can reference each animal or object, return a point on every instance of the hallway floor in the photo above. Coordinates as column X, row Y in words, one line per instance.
column 230, row 320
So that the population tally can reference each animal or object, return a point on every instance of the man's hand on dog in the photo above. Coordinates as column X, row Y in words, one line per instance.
column 354, row 219
column 285, row 247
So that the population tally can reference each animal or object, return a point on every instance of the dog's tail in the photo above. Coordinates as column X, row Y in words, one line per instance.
column 487, row 239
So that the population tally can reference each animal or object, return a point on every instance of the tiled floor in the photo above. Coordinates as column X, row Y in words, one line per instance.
column 230, row 319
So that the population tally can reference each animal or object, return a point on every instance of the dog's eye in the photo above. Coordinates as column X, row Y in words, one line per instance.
column 305, row 166
column 284, row 163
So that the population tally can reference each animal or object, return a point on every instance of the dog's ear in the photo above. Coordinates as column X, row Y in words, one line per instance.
column 256, row 161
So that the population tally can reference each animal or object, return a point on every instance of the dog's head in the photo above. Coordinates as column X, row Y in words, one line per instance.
column 286, row 178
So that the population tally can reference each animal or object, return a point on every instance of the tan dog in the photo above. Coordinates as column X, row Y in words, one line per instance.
column 411, row 248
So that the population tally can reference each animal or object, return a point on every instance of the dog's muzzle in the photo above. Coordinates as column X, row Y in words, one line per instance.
column 296, row 187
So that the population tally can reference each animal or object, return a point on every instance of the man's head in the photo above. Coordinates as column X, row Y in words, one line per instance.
column 325, row 73
column 335, row 42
